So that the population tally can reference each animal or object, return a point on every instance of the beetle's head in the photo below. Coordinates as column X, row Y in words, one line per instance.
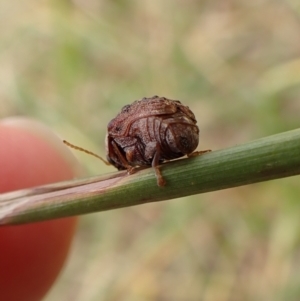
column 182, row 138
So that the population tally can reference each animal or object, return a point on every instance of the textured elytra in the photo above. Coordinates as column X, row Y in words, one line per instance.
column 150, row 131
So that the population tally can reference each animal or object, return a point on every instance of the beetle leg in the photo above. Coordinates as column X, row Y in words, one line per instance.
column 198, row 153
column 130, row 169
column 160, row 180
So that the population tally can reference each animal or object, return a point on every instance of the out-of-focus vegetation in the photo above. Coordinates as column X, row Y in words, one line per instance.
column 74, row 64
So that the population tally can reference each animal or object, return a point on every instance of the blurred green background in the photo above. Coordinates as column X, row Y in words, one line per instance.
column 236, row 64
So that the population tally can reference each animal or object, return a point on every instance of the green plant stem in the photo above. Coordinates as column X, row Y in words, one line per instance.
column 265, row 159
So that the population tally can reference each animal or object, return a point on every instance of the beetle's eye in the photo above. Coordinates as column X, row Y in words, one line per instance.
column 184, row 142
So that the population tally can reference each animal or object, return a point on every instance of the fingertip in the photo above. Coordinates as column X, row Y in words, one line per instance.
column 31, row 154
column 33, row 254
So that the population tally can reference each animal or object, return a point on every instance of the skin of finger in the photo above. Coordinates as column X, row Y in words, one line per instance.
column 32, row 255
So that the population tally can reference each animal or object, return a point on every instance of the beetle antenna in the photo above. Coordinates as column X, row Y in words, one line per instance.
column 85, row 151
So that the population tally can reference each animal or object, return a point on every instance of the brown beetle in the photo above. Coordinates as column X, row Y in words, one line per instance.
column 148, row 132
